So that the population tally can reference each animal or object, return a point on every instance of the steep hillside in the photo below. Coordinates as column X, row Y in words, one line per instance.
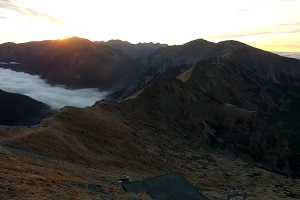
column 21, row 110
column 246, row 110
column 82, row 153
column 73, row 62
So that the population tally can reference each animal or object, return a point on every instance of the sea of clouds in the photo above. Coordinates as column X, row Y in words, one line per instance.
column 290, row 54
column 55, row 96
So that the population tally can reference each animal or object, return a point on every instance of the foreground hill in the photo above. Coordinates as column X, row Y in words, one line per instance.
column 82, row 153
column 21, row 110
column 73, row 62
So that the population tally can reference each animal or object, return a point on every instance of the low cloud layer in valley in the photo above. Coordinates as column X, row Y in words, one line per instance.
column 55, row 96
column 290, row 54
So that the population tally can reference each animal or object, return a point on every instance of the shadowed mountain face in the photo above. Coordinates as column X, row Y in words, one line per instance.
column 173, row 59
column 247, row 99
column 73, row 62
column 228, row 105
column 20, row 110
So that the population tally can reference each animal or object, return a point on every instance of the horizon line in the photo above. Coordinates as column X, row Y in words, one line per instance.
column 155, row 42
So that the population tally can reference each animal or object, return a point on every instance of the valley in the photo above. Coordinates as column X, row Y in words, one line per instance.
column 223, row 115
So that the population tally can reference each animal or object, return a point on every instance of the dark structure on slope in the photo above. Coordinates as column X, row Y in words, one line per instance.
column 169, row 187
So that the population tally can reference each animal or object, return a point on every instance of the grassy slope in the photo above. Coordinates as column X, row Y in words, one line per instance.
column 81, row 153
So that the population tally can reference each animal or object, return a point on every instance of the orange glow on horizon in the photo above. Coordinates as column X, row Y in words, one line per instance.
column 270, row 24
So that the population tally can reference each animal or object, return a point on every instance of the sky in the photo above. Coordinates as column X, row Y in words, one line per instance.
column 268, row 24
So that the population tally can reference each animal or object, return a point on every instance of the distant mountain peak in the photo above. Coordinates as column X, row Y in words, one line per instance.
column 198, row 42
column 75, row 39
column 233, row 43
column 118, row 41
column 8, row 44
column 135, row 50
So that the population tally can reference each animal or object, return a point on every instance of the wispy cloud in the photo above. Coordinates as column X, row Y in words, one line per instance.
column 287, row 46
column 13, row 5
column 288, row 28
column 241, row 11
column 291, row 24
column 257, row 33
column 286, row 1
column 2, row 17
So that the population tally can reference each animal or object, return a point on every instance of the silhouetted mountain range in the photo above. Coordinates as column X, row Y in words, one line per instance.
column 174, row 57
column 136, row 51
column 74, row 62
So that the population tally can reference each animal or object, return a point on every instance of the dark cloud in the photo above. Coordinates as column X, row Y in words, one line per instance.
column 13, row 5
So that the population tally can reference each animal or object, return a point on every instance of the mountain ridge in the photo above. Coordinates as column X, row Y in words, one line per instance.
column 73, row 62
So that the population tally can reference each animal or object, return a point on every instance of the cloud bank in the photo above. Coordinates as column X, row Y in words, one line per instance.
column 55, row 96
column 13, row 5
column 290, row 54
